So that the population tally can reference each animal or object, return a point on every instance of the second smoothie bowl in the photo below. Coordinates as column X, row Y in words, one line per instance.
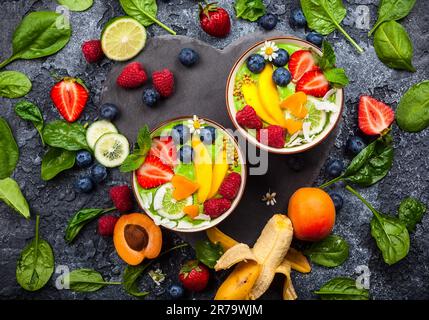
column 193, row 177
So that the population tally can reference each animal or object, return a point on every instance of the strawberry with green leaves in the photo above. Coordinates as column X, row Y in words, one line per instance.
column 194, row 276
column 215, row 20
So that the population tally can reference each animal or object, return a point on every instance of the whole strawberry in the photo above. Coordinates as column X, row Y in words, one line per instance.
column 106, row 225
column 92, row 51
column 163, row 82
column 215, row 20
column 194, row 276
column 132, row 76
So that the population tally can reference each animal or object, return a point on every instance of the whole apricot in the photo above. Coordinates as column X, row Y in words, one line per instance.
column 312, row 213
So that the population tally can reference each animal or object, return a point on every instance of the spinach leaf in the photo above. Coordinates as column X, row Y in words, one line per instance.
column 208, row 253
column 411, row 212
column 324, row 16
column 337, row 77
column 392, row 10
column 56, row 161
column 412, row 114
column 14, row 84
column 30, row 112
column 63, row 135
column 342, row 288
column 9, row 152
column 137, row 158
column 330, row 252
column 393, row 46
column 11, row 194
column 39, row 34
column 85, row 280
column 35, row 265
column 77, row 5
column 81, row 219
column 144, row 11
column 250, row 10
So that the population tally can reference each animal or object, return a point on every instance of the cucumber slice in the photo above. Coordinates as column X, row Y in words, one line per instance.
column 111, row 150
column 166, row 206
column 317, row 118
column 97, row 129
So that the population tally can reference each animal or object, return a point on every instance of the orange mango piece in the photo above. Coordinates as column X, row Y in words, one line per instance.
column 192, row 211
column 296, row 104
column 293, row 126
column 183, row 187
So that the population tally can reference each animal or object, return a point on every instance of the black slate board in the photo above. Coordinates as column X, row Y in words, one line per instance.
column 201, row 90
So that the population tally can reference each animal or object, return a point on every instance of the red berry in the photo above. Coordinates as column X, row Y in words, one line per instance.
column 215, row 20
column 374, row 116
column 273, row 136
column 153, row 173
column 194, row 276
column 216, row 207
column 92, row 51
column 132, row 76
column 300, row 62
column 248, row 118
column 106, row 225
column 122, row 198
column 230, row 186
column 313, row 83
column 163, row 82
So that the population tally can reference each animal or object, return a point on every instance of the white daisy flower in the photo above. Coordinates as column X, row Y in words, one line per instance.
column 269, row 50
column 195, row 125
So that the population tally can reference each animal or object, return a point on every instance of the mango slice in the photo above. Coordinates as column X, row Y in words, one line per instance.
column 296, row 105
column 251, row 96
column 220, row 168
column 183, row 187
column 203, row 168
column 293, row 126
column 192, row 211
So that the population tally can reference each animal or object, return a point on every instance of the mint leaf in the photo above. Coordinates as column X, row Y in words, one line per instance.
column 337, row 77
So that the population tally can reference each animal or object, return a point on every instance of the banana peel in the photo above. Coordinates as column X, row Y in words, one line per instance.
column 238, row 253
column 288, row 289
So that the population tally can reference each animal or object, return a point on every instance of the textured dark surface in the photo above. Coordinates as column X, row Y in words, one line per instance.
column 56, row 201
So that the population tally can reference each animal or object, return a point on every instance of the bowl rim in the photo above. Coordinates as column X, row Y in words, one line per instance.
column 244, row 132
column 235, row 202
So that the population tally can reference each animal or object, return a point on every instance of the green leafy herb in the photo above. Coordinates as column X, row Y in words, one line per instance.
column 390, row 234
column 30, row 112
column 14, row 84
column 393, row 46
column 144, row 11
column 136, row 159
column 56, row 161
column 328, row 59
column 324, row 16
column 64, row 135
column 336, row 76
column 9, row 152
column 77, row 5
column 411, row 212
column 11, row 194
column 250, row 10
column 39, row 34
column 330, row 252
column 81, row 219
column 85, row 280
column 342, row 288
column 412, row 114
column 392, row 10
column 208, row 253
column 35, row 265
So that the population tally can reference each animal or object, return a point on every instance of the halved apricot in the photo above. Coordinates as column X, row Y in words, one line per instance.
column 137, row 237
column 296, row 104
column 192, row 211
column 183, row 187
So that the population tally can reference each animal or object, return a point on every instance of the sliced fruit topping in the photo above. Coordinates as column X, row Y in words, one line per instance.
column 300, row 62
column 69, row 97
column 220, row 169
column 192, row 211
column 153, row 173
column 295, row 104
column 374, row 116
column 251, row 96
column 203, row 168
column 317, row 119
column 293, row 126
column 166, row 206
column 164, row 149
column 183, row 187
column 97, row 129
column 313, row 83
column 111, row 149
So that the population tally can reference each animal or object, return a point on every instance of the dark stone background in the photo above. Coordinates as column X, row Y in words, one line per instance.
column 56, row 201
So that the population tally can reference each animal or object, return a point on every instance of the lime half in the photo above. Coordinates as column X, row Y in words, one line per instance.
column 123, row 38
column 317, row 119
column 166, row 206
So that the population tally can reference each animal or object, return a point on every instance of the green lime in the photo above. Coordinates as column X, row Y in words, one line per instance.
column 166, row 206
column 317, row 118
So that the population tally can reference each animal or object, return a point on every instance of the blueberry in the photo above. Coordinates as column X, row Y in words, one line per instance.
column 268, row 21
column 208, row 135
column 315, row 38
column 186, row 154
column 83, row 159
column 109, row 111
column 355, row 145
column 295, row 162
column 256, row 63
column 98, row 173
column 180, row 134
column 297, row 18
column 176, row 291
column 334, row 168
column 150, row 97
column 338, row 201
column 282, row 58
column 188, row 57
column 84, row 184
column 282, row 77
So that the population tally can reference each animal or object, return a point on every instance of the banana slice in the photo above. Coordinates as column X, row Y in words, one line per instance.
column 238, row 253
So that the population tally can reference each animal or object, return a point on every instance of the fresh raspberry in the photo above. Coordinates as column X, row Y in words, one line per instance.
column 275, row 135
column 122, row 198
column 106, row 225
column 216, row 207
column 163, row 81
column 230, row 186
column 132, row 76
column 92, row 51
column 248, row 118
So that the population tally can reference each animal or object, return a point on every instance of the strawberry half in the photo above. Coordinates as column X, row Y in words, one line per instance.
column 153, row 173
column 164, row 149
column 69, row 97
column 313, row 83
column 300, row 62
column 374, row 116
